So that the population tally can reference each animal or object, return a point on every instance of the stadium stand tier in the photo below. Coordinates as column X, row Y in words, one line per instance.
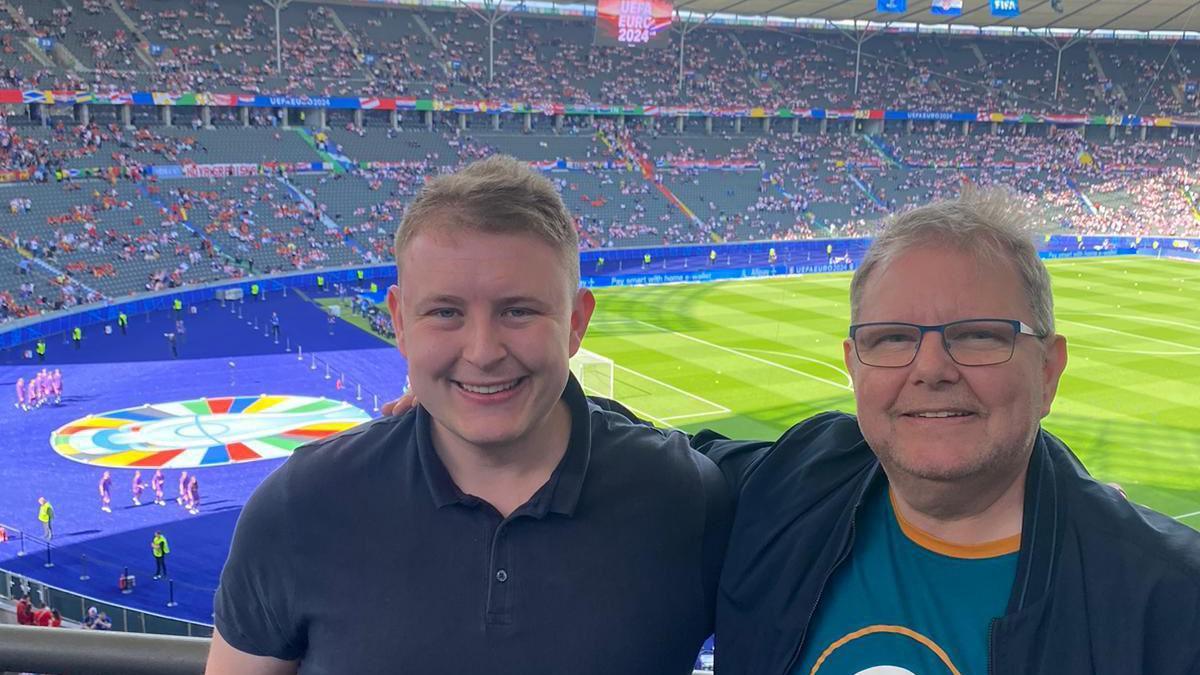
column 208, row 45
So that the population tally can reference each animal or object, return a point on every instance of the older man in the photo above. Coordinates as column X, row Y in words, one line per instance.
column 944, row 531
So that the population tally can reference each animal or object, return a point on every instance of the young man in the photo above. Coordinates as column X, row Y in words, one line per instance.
column 503, row 526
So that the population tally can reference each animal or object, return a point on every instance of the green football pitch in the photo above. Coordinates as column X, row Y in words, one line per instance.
column 751, row 358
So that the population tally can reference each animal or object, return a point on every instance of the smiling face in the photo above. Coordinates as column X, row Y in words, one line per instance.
column 937, row 420
column 488, row 324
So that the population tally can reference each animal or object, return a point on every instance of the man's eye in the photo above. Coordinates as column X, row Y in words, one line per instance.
column 444, row 313
column 518, row 312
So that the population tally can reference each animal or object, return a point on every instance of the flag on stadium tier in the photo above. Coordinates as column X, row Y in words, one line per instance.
column 891, row 6
column 947, row 7
column 1007, row 8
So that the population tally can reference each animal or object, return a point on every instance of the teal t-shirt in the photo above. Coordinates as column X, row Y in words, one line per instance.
column 905, row 603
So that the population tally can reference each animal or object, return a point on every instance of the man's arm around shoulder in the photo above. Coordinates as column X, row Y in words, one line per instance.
column 738, row 459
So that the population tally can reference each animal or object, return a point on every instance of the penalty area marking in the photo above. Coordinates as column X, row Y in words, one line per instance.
column 665, row 421
column 718, row 409
column 810, row 359
column 751, row 357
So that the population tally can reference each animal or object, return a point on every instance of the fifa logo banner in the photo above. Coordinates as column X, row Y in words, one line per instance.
column 891, row 6
column 947, row 7
column 1006, row 8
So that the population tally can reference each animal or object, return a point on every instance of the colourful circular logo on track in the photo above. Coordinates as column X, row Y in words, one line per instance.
column 203, row 432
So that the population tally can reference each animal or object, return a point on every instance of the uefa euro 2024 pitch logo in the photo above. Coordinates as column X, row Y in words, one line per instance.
column 203, row 432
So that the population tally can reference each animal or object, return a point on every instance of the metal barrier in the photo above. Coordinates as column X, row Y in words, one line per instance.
column 73, row 605
column 58, row 650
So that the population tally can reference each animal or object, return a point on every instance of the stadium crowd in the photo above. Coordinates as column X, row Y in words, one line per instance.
column 207, row 45
column 90, row 207
column 627, row 188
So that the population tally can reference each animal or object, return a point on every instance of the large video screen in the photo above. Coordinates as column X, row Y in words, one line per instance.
column 637, row 23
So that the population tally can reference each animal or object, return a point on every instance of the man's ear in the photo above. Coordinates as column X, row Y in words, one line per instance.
column 1052, row 369
column 848, row 357
column 581, row 314
column 393, row 303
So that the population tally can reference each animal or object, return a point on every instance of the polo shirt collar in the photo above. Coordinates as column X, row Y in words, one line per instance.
column 561, row 492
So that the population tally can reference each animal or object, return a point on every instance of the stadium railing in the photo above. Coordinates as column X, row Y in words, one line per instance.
column 55, row 650
column 33, row 550
column 49, row 650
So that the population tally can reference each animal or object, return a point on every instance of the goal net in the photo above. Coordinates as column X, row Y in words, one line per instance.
column 594, row 372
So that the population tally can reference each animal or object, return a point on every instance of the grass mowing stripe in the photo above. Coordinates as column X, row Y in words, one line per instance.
column 1129, row 413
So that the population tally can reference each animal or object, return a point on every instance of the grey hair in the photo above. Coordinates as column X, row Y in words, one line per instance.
column 988, row 224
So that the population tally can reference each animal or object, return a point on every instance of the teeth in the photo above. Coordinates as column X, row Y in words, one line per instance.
column 938, row 415
column 494, row 389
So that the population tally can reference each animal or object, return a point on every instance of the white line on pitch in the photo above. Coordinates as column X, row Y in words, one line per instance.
column 1150, row 319
column 752, row 357
column 1188, row 515
column 1169, row 343
column 810, row 359
column 647, row 416
column 720, row 408
column 612, row 322
column 685, row 417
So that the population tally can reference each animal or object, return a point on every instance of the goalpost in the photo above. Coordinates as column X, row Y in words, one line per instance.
column 594, row 372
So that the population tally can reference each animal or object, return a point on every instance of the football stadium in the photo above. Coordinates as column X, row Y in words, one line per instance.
column 199, row 201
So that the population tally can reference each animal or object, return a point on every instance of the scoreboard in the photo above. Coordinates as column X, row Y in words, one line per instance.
column 637, row 23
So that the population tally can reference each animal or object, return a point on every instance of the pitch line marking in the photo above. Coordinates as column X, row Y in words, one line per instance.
column 720, row 409
column 645, row 415
column 810, row 359
column 1188, row 515
column 611, row 322
column 685, row 417
column 751, row 357
column 1169, row 343
column 1150, row 319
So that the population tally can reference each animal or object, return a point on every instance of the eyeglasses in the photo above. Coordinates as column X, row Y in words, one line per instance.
column 973, row 342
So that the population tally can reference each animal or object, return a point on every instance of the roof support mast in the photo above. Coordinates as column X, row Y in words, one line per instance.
column 683, row 29
column 278, row 5
column 495, row 14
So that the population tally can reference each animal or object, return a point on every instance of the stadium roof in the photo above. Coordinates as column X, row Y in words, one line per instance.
column 1084, row 14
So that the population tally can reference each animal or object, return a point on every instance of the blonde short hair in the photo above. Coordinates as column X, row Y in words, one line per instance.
column 989, row 224
column 498, row 195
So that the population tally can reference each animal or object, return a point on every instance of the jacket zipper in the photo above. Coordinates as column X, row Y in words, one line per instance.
column 821, row 591
column 991, row 644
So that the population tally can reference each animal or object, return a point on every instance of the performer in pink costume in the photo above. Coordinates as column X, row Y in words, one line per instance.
column 106, row 492
column 138, row 486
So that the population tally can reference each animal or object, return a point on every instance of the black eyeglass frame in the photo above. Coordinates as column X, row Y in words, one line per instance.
column 1019, row 328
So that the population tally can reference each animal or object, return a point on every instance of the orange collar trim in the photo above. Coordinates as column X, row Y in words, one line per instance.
column 990, row 549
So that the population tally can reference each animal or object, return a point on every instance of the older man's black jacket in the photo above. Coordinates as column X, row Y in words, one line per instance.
column 1103, row 586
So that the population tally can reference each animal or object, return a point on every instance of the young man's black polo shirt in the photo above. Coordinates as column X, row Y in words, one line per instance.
column 361, row 555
